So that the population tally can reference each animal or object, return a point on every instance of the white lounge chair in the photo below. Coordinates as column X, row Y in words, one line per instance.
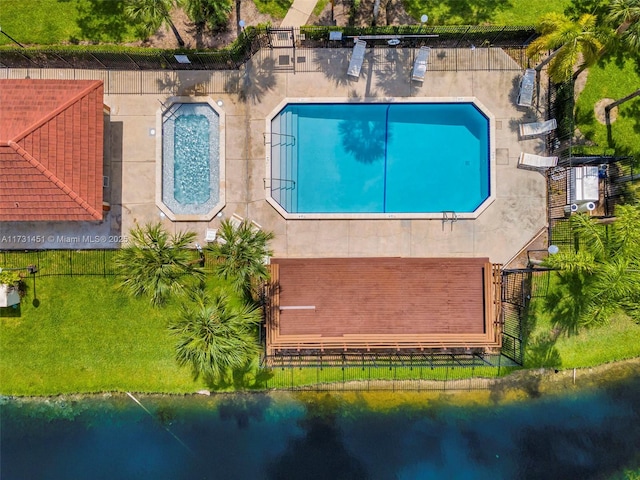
column 536, row 161
column 525, row 96
column 357, row 57
column 420, row 64
column 537, row 128
column 236, row 220
column 211, row 235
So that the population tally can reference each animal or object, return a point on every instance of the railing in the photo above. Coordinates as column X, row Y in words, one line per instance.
column 252, row 39
column 395, row 372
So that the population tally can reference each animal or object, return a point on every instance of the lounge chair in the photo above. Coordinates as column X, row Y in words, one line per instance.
column 420, row 64
column 211, row 235
column 357, row 57
column 536, row 161
column 525, row 96
column 537, row 128
column 236, row 220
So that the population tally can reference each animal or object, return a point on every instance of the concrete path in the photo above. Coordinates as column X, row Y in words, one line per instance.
column 298, row 13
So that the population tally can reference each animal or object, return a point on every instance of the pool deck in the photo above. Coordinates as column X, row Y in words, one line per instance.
column 517, row 214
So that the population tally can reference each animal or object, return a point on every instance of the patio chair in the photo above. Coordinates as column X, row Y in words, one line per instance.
column 420, row 64
column 536, row 161
column 357, row 57
column 236, row 220
column 211, row 235
column 537, row 128
column 525, row 96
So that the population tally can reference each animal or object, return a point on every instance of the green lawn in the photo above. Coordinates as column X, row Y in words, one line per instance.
column 276, row 8
column 87, row 337
column 497, row 12
column 625, row 131
column 48, row 22
column 619, row 340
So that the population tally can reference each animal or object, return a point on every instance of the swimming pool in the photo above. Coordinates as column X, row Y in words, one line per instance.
column 378, row 160
column 190, row 167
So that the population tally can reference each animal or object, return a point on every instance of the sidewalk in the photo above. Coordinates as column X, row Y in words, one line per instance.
column 298, row 13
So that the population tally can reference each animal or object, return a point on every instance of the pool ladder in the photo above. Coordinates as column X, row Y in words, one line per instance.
column 449, row 216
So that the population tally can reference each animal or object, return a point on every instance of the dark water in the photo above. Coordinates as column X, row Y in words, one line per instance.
column 315, row 436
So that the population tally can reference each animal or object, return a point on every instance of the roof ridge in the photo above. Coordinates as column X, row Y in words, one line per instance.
column 79, row 96
column 55, row 180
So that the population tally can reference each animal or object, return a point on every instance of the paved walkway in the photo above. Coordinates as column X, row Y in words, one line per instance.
column 298, row 13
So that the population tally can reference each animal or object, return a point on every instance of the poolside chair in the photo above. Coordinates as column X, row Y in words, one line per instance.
column 357, row 57
column 537, row 128
column 525, row 96
column 236, row 220
column 536, row 161
column 256, row 227
column 211, row 235
column 420, row 64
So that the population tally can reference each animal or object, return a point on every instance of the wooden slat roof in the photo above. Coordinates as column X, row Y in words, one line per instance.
column 362, row 300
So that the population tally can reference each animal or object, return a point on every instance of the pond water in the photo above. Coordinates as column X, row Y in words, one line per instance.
column 321, row 436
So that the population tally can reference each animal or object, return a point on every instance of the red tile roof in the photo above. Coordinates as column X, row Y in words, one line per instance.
column 51, row 150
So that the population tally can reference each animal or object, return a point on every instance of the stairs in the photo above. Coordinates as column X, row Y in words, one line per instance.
column 284, row 160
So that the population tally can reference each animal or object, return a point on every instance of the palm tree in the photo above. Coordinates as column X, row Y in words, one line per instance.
column 568, row 40
column 153, row 13
column 624, row 16
column 240, row 253
column 212, row 13
column 158, row 264
column 216, row 336
column 603, row 276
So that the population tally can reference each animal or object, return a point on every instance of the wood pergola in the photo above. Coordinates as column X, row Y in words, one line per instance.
column 382, row 304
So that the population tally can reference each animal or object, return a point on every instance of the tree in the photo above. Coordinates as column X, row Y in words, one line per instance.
column 153, row 14
column 602, row 277
column 211, row 13
column 216, row 336
column 624, row 15
column 569, row 40
column 240, row 253
column 158, row 264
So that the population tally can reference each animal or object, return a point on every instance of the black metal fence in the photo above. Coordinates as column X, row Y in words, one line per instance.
column 395, row 372
column 619, row 179
column 62, row 262
column 518, row 288
column 251, row 40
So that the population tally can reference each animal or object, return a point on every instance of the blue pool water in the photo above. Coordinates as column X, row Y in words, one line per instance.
column 190, row 136
column 592, row 434
column 380, row 158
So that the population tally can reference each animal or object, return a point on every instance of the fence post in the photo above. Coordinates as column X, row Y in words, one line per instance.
column 70, row 263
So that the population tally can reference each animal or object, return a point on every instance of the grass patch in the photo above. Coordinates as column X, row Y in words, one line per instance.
column 276, row 8
column 87, row 337
column 594, row 346
column 50, row 22
column 317, row 10
column 624, row 137
column 498, row 12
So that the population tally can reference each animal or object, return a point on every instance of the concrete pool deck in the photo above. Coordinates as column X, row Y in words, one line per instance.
column 517, row 214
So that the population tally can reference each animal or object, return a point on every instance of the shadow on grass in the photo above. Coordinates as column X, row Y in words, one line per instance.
column 102, row 20
column 250, row 377
column 579, row 7
column 463, row 12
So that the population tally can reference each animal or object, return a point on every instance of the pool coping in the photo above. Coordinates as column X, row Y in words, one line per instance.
column 206, row 217
column 443, row 215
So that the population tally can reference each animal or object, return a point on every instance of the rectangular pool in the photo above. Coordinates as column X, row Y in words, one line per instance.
column 379, row 158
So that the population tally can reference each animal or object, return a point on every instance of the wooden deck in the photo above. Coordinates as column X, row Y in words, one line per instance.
column 382, row 304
